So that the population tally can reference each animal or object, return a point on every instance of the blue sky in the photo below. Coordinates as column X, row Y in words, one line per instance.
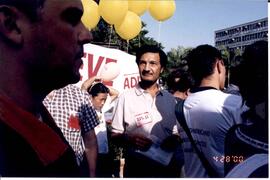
column 195, row 21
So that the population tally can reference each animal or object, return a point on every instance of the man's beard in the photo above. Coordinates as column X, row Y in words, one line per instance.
column 147, row 83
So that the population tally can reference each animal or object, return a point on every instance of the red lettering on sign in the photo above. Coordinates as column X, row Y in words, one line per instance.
column 131, row 82
column 126, row 83
column 91, row 70
column 108, row 60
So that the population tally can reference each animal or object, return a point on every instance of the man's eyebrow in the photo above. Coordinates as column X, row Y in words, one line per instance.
column 73, row 10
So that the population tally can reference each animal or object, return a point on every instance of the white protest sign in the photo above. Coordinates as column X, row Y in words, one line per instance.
column 96, row 57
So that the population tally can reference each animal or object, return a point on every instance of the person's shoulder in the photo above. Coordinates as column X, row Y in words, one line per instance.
column 177, row 99
column 76, row 90
column 232, row 100
column 130, row 92
column 236, row 96
column 73, row 87
column 166, row 93
column 166, row 97
column 67, row 88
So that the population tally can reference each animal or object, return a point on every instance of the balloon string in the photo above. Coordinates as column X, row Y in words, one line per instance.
column 139, row 39
column 127, row 45
column 110, row 36
column 159, row 30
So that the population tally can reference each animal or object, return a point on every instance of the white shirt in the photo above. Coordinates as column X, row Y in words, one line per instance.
column 209, row 115
column 101, row 129
column 138, row 112
column 101, row 134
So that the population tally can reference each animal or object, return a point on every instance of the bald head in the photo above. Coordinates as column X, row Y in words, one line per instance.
column 29, row 7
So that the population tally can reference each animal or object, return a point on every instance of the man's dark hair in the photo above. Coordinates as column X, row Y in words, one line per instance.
column 201, row 61
column 179, row 80
column 97, row 88
column 253, row 76
column 152, row 49
column 29, row 7
column 234, row 75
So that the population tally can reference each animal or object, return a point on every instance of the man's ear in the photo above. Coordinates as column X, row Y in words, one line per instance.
column 220, row 65
column 9, row 29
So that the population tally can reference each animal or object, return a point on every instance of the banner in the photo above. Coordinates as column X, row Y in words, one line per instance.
column 95, row 57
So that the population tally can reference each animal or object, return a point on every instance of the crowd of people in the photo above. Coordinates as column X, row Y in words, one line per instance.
column 195, row 127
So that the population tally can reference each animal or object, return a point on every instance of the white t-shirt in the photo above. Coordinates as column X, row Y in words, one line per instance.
column 101, row 134
column 209, row 115
column 101, row 129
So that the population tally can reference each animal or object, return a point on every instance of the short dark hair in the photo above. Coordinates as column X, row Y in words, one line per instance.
column 183, row 84
column 152, row 49
column 201, row 61
column 253, row 76
column 29, row 7
column 97, row 88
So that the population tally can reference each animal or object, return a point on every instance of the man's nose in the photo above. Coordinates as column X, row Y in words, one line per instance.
column 103, row 102
column 85, row 35
column 147, row 67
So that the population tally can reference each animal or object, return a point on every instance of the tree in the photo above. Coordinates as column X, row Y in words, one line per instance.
column 231, row 58
column 105, row 35
column 176, row 59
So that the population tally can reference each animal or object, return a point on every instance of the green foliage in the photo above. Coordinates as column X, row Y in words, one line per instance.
column 176, row 59
column 231, row 59
column 105, row 35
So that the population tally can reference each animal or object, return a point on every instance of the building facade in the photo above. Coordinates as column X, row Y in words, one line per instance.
column 238, row 37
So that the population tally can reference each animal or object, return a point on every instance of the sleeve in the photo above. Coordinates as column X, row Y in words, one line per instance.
column 118, row 117
column 231, row 111
column 89, row 119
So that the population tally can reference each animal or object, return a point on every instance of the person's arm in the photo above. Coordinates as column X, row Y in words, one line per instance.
column 113, row 93
column 86, row 84
column 88, row 122
column 91, row 149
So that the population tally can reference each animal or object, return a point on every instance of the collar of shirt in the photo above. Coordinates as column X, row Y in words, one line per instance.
column 198, row 89
column 140, row 91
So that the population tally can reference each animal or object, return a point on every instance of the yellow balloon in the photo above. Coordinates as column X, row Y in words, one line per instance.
column 113, row 11
column 91, row 15
column 138, row 6
column 130, row 27
column 162, row 10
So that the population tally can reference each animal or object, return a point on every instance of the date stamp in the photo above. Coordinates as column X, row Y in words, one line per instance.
column 228, row 159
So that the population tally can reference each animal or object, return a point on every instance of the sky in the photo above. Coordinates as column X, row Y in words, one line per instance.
column 195, row 21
